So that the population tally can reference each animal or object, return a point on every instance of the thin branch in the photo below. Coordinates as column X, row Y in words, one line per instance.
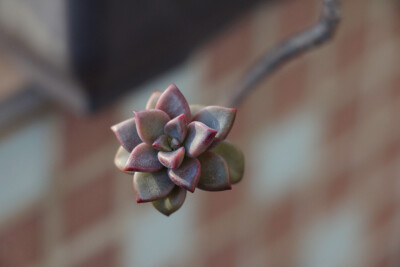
column 294, row 46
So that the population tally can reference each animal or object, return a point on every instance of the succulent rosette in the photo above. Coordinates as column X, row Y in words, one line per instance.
column 171, row 147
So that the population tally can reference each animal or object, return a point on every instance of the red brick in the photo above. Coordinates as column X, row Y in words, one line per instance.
column 391, row 152
column 216, row 204
column 88, row 204
column 290, row 89
column 107, row 257
column 280, row 220
column 255, row 112
column 354, row 12
column 82, row 135
column 396, row 256
column 384, row 215
column 336, row 189
column 240, row 123
column 230, row 50
column 351, row 47
column 297, row 16
column 21, row 243
column 383, row 32
column 384, row 261
column 282, row 253
column 343, row 120
column 226, row 256
column 395, row 87
column 397, row 22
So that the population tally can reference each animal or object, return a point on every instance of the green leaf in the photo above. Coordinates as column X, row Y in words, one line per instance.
column 234, row 158
column 214, row 173
column 151, row 103
column 172, row 202
column 121, row 158
column 195, row 108
column 150, row 186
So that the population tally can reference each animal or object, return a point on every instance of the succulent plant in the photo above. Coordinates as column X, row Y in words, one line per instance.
column 171, row 147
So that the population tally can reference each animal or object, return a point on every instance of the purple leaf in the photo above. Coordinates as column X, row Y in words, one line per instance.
column 198, row 139
column 150, row 186
column 172, row 160
column 173, row 102
column 121, row 158
column 218, row 118
column 162, row 143
column 176, row 128
column 214, row 173
column 143, row 159
column 150, row 124
column 127, row 134
column 187, row 175
column 234, row 158
column 151, row 103
column 172, row 202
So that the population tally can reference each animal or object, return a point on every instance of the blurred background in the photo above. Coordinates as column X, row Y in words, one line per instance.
column 321, row 137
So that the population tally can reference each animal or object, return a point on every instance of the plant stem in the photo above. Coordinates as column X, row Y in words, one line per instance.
column 289, row 49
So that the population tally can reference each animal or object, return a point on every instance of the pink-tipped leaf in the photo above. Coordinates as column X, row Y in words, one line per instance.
column 219, row 118
column 173, row 103
column 187, row 175
column 173, row 159
column 150, row 124
column 143, row 159
column 162, row 143
column 127, row 134
column 199, row 137
column 176, row 128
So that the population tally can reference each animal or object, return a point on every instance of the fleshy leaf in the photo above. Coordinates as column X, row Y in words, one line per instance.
column 214, row 173
column 127, row 134
column 151, row 103
column 175, row 143
column 150, row 186
column 162, row 143
column 172, row 202
column 198, row 139
column 121, row 158
column 173, row 103
column 234, row 158
column 150, row 124
column 195, row 108
column 143, row 159
column 176, row 128
column 218, row 118
column 172, row 160
column 187, row 175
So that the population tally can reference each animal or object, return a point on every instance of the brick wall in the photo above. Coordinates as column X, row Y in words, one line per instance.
column 322, row 145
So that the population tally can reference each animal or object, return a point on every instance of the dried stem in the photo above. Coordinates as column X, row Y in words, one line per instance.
column 294, row 46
